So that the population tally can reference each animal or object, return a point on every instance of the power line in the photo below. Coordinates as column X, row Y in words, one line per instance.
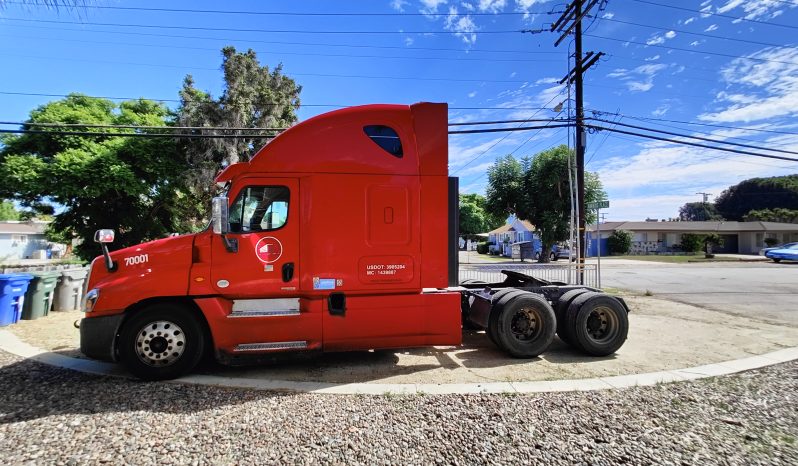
column 701, row 138
column 322, row 75
column 274, row 52
column 314, row 44
column 137, row 135
column 707, row 13
column 695, row 144
column 693, row 51
column 271, row 31
column 694, row 123
column 700, row 34
column 502, row 130
column 286, row 13
column 497, row 122
column 41, row 94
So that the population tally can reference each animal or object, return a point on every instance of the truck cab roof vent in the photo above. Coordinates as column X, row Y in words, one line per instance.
column 386, row 138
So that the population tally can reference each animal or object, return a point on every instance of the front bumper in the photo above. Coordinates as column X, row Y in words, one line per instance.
column 98, row 336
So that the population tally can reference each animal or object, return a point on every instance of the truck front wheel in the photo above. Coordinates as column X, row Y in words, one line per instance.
column 160, row 342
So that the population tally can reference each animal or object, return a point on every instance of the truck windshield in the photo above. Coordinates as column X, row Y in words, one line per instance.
column 259, row 208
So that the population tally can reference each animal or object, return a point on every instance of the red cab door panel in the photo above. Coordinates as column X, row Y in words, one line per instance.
column 264, row 221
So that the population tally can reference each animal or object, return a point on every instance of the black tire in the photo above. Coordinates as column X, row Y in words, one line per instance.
column 526, row 325
column 601, row 325
column 537, row 256
column 568, row 333
column 176, row 344
column 553, row 256
column 777, row 260
column 561, row 311
column 497, row 304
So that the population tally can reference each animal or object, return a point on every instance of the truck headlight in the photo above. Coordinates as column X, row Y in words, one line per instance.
column 91, row 299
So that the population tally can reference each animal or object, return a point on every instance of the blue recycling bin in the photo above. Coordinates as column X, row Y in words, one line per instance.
column 13, row 287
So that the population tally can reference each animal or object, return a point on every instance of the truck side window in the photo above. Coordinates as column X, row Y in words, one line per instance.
column 259, row 208
column 386, row 138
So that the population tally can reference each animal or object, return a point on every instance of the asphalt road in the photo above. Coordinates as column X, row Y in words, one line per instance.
column 762, row 290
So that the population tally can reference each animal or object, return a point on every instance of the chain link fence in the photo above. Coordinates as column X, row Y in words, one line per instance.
column 566, row 273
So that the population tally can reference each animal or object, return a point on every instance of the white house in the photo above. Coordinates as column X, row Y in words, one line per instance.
column 23, row 240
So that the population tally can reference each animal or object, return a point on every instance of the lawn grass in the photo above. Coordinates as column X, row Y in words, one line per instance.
column 675, row 259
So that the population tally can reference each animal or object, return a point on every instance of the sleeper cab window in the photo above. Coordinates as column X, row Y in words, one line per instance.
column 259, row 208
column 385, row 137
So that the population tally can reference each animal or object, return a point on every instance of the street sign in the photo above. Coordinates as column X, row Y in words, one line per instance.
column 597, row 205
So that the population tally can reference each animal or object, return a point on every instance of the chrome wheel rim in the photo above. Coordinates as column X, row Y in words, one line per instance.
column 160, row 343
column 602, row 324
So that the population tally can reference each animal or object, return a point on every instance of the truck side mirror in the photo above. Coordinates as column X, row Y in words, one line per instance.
column 219, row 214
column 104, row 237
column 221, row 224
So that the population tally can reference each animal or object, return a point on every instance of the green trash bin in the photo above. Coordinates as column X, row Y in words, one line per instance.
column 39, row 297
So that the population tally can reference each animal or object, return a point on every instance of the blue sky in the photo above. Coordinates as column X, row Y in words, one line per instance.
column 695, row 61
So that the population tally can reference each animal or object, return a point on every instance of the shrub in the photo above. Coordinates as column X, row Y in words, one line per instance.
column 620, row 242
column 482, row 248
column 770, row 242
column 692, row 242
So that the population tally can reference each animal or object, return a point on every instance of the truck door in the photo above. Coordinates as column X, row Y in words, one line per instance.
column 261, row 259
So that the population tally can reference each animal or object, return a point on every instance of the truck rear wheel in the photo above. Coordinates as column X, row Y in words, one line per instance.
column 162, row 341
column 601, row 325
column 497, row 304
column 569, row 321
column 526, row 325
column 561, row 312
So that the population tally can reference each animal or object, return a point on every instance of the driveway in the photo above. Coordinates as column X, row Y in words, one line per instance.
column 762, row 290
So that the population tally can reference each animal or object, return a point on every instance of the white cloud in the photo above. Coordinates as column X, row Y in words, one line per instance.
column 689, row 20
column 492, row 6
column 409, row 41
column 640, row 79
column 547, row 81
column 695, row 43
column 467, row 6
column 754, row 9
column 758, row 90
column 657, row 39
column 661, row 110
column 654, row 58
column 712, row 27
column 608, row 15
column 706, row 11
column 432, row 4
column 670, row 34
column 472, row 94
column 398, row 5
column 464, row 25
column 513, row 74
column 524, row 6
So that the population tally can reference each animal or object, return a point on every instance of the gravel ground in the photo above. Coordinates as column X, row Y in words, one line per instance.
column 55, row 416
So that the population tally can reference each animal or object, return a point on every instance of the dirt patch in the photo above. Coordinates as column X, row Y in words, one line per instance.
column 663, row 335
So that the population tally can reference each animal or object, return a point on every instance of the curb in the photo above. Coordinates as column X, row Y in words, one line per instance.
column 11, row 344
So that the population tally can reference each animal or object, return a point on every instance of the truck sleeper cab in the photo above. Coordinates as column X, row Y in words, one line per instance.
column 338, row 235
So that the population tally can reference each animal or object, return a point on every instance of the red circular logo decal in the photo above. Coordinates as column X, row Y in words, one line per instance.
column 268, row 249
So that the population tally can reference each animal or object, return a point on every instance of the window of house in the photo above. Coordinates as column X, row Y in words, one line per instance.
column 259, row 208
column 19, row 238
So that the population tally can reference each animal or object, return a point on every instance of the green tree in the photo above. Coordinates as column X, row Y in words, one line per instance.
column 133, row 185
column 698, row 211
column 620, row 242
column 253, row 97
column 505, row 187
column 758, row 194
column 772, row 215
column 8, row 211
column 711, row 240
column 546, row 199
column 473, row 217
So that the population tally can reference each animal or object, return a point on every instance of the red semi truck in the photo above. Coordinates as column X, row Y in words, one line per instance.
column 339, row 235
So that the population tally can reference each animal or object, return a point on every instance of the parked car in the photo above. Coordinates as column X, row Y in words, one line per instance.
column 557, row 252
column 764, row 251
column 789, row 253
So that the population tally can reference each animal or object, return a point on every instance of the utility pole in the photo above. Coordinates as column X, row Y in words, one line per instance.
column 706, row 196
column 571, row 20
column 704, row 212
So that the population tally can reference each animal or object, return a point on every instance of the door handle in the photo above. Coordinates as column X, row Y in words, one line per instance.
column 288, row 271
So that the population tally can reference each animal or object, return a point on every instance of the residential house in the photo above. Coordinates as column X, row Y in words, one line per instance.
column 515, row 231
column 23, row 240
column 664, row 237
